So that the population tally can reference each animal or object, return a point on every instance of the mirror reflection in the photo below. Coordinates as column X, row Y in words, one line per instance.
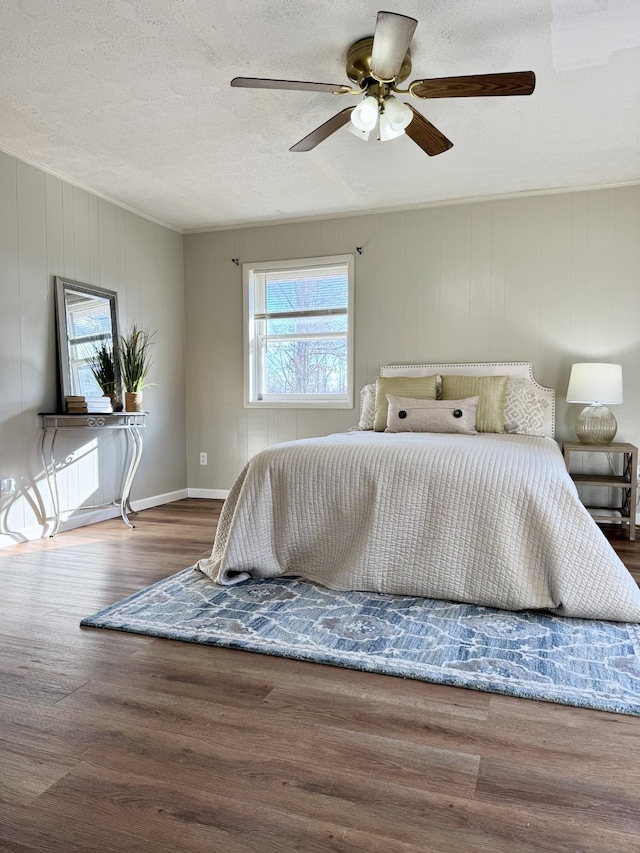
column 87, row 324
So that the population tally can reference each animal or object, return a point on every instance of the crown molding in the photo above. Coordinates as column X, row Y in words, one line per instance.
column 67, row 179
column 235, row 226
column 262, row 223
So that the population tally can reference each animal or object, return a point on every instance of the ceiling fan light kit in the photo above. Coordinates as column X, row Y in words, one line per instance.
column 376, row 65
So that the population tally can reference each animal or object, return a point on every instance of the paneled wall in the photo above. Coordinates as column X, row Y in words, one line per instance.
column 550, row 279
column 47, row 228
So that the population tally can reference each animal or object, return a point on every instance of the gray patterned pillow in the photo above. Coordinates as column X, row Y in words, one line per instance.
column 408, row 415
column 524, row 408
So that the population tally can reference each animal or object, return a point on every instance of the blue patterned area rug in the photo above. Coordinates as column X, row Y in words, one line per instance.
column 571, row 661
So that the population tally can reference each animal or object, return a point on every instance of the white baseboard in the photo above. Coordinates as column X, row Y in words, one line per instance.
column 158, row 500
column 42, row 531
column 209, row 494
column 26, row 534
column 81, row 518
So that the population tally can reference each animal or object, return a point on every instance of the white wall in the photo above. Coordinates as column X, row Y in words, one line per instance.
column 550, row 279
column 48, row 228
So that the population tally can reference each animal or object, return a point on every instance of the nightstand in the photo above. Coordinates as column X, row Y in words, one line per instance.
column 626, row 481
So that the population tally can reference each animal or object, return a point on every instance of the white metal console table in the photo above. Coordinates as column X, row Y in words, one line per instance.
column 130, row 422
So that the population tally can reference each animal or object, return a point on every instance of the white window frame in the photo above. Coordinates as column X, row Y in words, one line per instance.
column 302, row 401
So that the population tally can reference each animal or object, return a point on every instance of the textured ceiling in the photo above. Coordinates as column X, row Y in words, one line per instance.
column 131, row 98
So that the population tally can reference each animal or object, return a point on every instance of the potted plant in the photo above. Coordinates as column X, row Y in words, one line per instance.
column 104, row 367
column 135, row 361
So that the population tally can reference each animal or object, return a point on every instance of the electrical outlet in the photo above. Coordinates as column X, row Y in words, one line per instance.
column 7, row 486
column 203, row 458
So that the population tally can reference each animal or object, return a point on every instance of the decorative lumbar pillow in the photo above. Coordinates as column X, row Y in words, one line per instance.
column 416, row 387
column 367, row 407
column 407, row 415
column 524, row 408
column 490, row 389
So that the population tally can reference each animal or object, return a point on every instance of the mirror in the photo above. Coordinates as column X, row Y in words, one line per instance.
column 87, row 318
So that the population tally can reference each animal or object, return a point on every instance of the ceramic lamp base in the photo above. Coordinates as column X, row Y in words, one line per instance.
column 596, row 425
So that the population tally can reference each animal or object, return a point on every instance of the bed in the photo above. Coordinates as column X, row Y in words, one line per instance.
column 489, row 518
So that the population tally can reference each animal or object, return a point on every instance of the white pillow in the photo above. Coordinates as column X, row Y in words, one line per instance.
column 452, row 416
column 367, row 407
column 524, row 408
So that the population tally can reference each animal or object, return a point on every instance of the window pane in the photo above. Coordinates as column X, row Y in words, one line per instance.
column 82, row 373
column 305, row 291
column 317, row 366
column 87, row 316
column 307, row 325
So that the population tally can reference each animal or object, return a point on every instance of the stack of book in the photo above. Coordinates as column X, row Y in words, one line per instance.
column 99, row 405
column 76, row 405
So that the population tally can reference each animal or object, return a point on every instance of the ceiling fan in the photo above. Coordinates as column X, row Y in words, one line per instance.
column 376, row 65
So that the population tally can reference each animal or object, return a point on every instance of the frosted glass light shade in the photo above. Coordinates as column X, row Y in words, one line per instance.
column 365, row 115
column 398, row 115
column 595, row 383
column 361, row 134
column 387, row 130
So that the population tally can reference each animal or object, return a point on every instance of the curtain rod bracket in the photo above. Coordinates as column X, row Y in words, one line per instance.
column 359, row 249
column 235, row 261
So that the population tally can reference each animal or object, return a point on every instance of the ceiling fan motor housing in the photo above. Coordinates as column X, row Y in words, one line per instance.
column 359, row 64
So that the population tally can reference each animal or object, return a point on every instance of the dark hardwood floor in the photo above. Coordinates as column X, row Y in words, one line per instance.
column 117, row 743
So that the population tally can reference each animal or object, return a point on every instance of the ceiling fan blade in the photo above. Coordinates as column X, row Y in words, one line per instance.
column 321, row 133
column 262, row 83
column 426, row 135
column 475, row 85
column 391, row 41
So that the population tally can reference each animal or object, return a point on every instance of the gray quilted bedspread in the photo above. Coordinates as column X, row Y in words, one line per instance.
column 486, row 519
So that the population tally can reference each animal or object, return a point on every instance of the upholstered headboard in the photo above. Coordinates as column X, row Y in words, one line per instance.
column 514, row 369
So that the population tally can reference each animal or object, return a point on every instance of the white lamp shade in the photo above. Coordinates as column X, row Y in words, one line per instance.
column 397, row 114
column 365, row 115
column 387, row 129
column 595, row 383
column 361, row 134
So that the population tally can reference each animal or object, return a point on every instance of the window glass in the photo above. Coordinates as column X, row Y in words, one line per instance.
column 298, row 341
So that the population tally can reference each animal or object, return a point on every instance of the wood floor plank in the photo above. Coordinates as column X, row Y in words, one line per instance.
column 38, row 829
column 555, row 792
column 27, row 771
column 338, row 794
column 436, row 724
column 218, row 719
column 118, row 743
column 194, row 820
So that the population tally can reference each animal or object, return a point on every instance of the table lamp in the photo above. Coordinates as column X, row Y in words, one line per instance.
column 595, row 384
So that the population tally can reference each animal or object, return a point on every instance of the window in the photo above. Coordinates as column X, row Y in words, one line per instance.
column 299, row 333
